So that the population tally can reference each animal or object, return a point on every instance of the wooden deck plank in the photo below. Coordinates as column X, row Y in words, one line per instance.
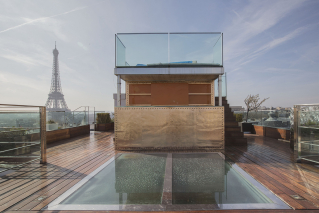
column 269, row 161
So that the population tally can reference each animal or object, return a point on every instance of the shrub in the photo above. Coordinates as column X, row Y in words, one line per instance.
column 50, row 122
column 103, row 118
column 239, row 117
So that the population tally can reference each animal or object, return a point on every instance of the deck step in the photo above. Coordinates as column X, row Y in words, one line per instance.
column 234, row 134
column 231, row 123
column 232, row 129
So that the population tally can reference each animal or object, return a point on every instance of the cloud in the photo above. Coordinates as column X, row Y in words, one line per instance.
column 82, row 45
column 254, row 19
column 274, row 43
column 30, row 21
column 278, row 70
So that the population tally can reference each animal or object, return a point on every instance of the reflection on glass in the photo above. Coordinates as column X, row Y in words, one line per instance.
column 19, row 137
column 169, row 49
column 66, row 119
column 130, row 179
column 195, row 49
column 141, row 49
column 224, row 86
column 208, row 179
column 308, row 134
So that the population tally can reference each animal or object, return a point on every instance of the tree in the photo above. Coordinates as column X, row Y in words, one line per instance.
column 252, row 103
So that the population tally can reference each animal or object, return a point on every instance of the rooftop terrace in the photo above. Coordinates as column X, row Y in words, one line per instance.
column 269, row 161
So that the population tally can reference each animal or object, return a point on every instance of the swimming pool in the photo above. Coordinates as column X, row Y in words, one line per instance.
column 167, row 181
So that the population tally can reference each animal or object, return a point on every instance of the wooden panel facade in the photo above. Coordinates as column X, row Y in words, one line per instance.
column 170, row 94
column 140, row 128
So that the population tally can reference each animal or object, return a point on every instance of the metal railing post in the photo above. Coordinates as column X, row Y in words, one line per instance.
column 43, row 143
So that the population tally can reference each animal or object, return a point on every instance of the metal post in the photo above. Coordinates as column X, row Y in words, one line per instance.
column 118, row 90
column 220, row 90
column 43, row 136
column 296, row 134
column 168, row 55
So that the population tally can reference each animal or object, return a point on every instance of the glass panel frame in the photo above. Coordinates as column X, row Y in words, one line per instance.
column 22, row 135
column 168, row 49
column 306, row 132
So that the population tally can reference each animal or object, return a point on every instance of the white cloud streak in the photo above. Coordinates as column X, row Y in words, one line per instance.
column 41, row 19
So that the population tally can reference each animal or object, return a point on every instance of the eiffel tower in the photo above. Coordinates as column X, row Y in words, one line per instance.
column 56, row 100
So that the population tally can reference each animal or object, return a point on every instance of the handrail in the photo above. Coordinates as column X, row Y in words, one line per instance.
column 19, row 105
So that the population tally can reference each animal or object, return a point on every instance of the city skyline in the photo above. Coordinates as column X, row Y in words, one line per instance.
column 270, row 48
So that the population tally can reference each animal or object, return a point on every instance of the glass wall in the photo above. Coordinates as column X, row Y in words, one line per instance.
column 306, row 126
column 173, row 49
column 20, row 135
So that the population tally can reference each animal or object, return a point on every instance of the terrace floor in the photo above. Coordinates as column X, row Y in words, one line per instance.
column 269, row 161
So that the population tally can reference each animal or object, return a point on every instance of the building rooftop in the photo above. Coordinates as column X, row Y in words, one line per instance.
column 269, row 161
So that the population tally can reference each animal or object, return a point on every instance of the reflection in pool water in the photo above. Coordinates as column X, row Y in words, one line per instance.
column 166, row 181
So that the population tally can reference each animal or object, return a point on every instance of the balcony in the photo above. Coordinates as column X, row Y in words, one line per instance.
column 169, row 56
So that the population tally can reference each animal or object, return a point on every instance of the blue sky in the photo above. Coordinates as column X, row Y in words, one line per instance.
column 271, row 48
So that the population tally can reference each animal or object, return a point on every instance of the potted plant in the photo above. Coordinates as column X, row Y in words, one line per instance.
column 51, row 125
column 252, row 103
column 102, row 119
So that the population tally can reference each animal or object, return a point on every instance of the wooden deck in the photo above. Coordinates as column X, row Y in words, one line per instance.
column 32, row 187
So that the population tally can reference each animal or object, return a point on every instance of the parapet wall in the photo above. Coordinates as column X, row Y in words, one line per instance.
column 169, row 128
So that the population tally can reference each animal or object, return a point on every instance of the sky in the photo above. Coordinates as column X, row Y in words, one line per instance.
column 271, row 48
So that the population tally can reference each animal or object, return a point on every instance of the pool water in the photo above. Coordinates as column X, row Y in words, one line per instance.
column 209, row 179
column 130, row 179
column 166, row 181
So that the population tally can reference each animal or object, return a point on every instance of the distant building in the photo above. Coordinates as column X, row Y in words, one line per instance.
column 264, row 108
column 237, row 108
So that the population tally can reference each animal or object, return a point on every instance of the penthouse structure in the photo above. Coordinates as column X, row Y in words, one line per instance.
column 169, row 91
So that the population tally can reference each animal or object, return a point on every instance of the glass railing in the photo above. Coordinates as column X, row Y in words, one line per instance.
column 67, row 119
column 168, row 49
column 268, row 118
column 306, row 126
column 20, row 135
column 224, row 86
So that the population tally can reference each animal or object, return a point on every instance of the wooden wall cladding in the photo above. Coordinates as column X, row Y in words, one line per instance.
column 140, row 100
column 169, row 94
column 199, row 88
column 169, row 127
column 199, row 99
column 140, row 88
